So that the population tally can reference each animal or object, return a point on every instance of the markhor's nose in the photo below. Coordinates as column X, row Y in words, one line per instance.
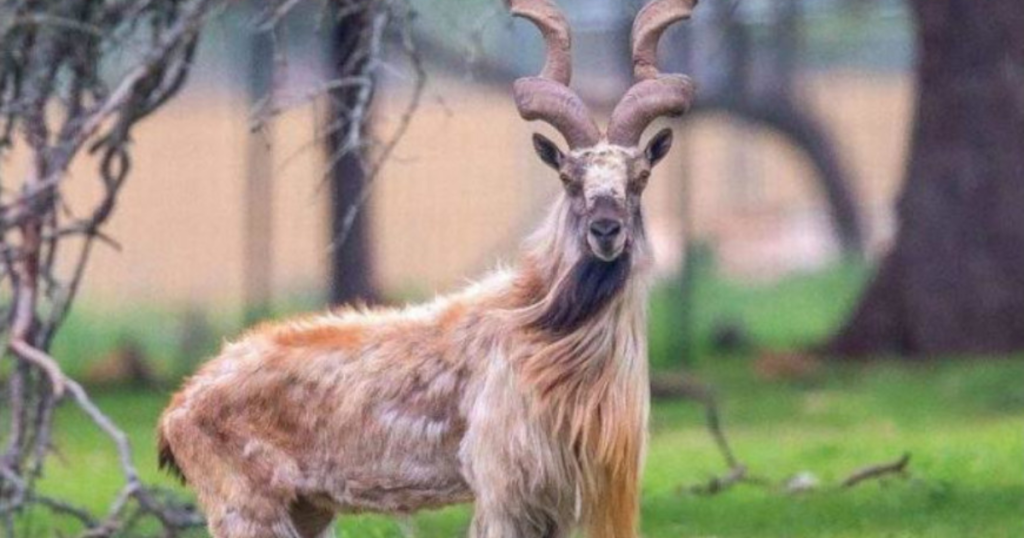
column 605, row 228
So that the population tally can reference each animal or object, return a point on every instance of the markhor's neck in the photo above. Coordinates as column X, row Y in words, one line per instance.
column 587, row 323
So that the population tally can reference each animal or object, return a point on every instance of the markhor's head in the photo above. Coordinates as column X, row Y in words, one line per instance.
column 603, row 184
column 604, row 174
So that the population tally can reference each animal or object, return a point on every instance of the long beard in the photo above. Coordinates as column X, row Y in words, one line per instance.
column 585, row 291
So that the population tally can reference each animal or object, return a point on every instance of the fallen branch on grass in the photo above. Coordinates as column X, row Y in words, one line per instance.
column 802, row 482
column 718, row 484
column 683, row 386
column 877, row 471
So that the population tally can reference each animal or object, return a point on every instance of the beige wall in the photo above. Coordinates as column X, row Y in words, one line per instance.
column 179, row 219
column 466, row 185
column 462, row 189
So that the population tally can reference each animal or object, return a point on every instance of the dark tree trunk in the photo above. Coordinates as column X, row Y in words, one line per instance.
column 351, row 269
column 259, row 188
column 954, row 281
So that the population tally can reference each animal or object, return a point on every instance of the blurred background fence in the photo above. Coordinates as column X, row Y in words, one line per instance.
column 788, row 167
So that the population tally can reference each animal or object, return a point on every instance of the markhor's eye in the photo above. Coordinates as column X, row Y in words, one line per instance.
column 641, row 180
column 572, row 186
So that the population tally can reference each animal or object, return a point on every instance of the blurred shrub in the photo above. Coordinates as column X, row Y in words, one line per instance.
column 718, row 316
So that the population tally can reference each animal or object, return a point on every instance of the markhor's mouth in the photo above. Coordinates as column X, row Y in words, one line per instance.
column 606, row 251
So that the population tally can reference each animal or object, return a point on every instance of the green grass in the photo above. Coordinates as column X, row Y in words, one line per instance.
column 166, row 335
column 960, row 420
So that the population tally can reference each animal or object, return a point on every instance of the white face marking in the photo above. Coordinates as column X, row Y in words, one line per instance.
column 607, row 177
column 606, row 171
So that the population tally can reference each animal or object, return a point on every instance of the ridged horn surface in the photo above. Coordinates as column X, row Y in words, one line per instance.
column 654, row 94
column 547, row 97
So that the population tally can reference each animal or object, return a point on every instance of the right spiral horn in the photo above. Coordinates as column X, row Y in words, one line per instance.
column 654, row 94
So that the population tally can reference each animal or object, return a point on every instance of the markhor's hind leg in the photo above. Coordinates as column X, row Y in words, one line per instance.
column 310, row 521
column 240, row 524
column 254, row 519
column 244, row 494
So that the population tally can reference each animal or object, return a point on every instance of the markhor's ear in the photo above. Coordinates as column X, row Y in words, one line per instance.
column 548, row 151
column 658, row 147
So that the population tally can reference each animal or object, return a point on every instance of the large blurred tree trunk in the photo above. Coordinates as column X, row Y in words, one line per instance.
column 954, row 281
column 351, row 270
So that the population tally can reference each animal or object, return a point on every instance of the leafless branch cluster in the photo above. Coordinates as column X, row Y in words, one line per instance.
column 57, row 101
column 75, row 77
column 351, row 105
column 350, row 92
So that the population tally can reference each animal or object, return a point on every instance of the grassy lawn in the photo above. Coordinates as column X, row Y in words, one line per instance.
column 960, row 421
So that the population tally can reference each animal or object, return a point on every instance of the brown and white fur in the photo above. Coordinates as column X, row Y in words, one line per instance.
column 526, row 393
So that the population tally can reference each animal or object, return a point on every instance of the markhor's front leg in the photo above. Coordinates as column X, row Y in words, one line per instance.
column 613, row 510
column 516, row 495
column 517, row 522
column 519, row 475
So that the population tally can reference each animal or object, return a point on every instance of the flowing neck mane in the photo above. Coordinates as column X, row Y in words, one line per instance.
column 586, row 320
column 582, row 348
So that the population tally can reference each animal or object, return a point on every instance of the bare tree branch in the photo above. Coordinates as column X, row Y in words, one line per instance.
column 76, row 76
